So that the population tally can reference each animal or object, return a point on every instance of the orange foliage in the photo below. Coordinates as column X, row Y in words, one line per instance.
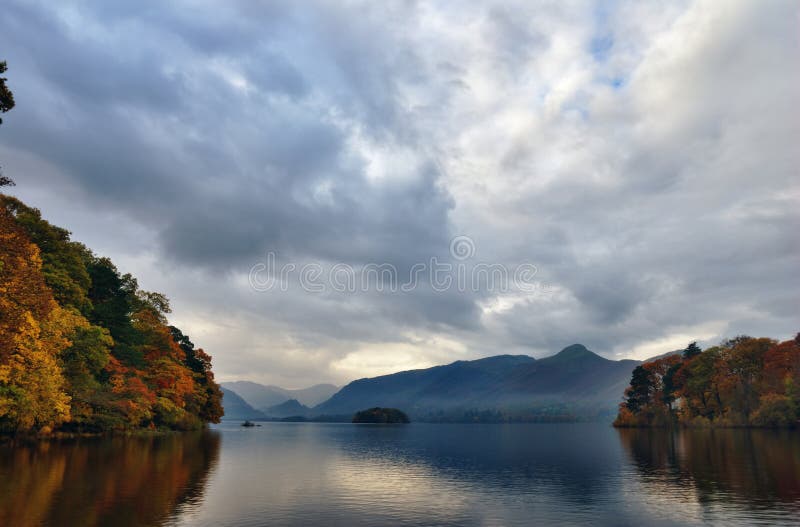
column 742, row 382
column 53, row 361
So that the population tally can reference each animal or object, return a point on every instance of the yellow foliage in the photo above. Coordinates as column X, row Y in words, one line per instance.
column 35, row 394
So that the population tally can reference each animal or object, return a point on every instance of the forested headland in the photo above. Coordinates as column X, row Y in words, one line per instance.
column 82, row 347
column 744, row 381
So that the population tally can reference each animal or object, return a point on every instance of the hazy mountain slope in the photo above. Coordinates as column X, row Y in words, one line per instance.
column 575, row 380
column 257, row 395
column 313, row 395
column 236, row 407
column 575, row 373
column 265, row 396
column 418, row 391
column 290, row 408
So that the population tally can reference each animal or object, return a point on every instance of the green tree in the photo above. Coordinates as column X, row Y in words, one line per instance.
column 691, row 351
column 640, row 392
column 670, row 384
column 6, row 97
column 6, row 103
column 700, row 392
column 114, row 302
column 63, row 260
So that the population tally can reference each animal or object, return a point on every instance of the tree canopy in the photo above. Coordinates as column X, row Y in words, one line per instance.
column 744, row 381
column 82, row 348
column 6, row 97
column 6, row 103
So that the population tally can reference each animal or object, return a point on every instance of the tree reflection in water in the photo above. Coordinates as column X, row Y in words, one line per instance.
column 120, row 481
column 758, row 467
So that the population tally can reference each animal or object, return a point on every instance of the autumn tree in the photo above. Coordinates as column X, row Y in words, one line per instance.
column 63, row 260
column 737, row 373
column 33, row 331
column 82, row 348
column 743, row 381
column 207, row 399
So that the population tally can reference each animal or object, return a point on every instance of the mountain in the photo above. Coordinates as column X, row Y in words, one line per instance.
column 290, row 408
column 261, row 396
column 257, row 395
column 573, row 384
column 237, row 408
column 313, row 395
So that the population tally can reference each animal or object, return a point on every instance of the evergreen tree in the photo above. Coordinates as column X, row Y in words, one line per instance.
column 692, row 350
column 641, row 389
column 6, row 103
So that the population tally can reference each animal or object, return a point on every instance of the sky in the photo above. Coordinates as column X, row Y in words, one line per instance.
column 630, row 168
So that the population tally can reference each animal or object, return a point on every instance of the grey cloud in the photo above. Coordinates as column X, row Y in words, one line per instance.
column 374, row 133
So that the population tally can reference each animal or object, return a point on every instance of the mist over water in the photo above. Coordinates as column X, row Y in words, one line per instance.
column 418, row 474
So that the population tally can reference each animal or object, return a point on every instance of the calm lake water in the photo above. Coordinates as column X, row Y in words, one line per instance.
column 418, row 474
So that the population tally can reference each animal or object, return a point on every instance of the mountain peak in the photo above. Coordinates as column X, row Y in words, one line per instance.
column 576, row 351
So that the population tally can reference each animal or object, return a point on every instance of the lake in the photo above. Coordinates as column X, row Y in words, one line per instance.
column 419, row 474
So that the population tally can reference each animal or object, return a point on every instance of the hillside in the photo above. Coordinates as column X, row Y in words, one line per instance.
column 573, row 384
column 82, row 347
column 290, row 408
column 237, row 408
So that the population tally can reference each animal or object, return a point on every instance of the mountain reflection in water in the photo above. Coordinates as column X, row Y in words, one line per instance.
column 418, row 474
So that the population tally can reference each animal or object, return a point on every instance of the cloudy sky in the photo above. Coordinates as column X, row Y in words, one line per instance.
column 643, row 156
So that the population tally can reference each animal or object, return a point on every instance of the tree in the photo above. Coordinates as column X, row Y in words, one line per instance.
column 6, row 103
column 21, row 282
column 744, row 381
column 32, row 387
column 740, row 371
column 775, row 411
column 670, row 386
column 639, row 394
column 699, row 389
column 6, row 97
column 33, row 332
column 114, row 300
column 207, row 399
column 691, row 351
column 82, row 348
column 63, row 260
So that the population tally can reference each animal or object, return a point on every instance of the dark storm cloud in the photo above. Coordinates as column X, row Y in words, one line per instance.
column 251, row 161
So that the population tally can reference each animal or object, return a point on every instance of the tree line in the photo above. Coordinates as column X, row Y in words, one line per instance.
column 82, row 347
column 744, row 381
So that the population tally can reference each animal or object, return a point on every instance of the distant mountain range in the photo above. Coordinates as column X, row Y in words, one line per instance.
column 262, row 397
column 574, row 384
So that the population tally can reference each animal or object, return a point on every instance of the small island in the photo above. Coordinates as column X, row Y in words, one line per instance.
column 381, row 415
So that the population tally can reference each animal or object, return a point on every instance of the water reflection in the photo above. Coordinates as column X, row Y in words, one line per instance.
column 756, row 467
column 102, row 481
column 339, row 474
column 310, row 474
